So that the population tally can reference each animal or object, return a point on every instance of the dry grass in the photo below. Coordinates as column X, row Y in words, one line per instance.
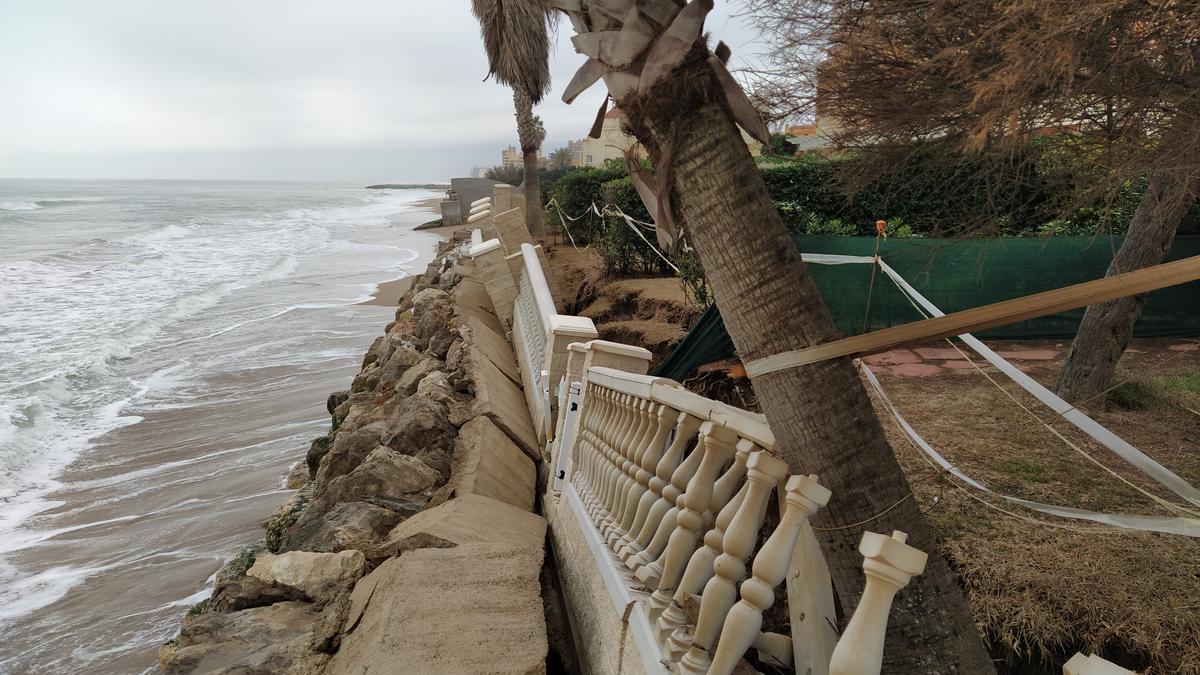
column 1045, row 587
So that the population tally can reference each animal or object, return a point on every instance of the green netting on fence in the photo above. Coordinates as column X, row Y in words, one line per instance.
column 956, row 275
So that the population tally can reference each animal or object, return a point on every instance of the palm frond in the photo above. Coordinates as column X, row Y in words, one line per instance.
column 516, row 37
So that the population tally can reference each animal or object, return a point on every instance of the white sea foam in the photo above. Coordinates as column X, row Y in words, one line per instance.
column 19, row 206
column 119, row 309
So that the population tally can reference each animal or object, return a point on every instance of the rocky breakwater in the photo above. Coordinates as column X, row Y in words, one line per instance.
column 411, row 544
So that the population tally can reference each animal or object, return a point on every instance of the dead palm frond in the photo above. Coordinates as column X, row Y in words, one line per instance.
column 517, row 40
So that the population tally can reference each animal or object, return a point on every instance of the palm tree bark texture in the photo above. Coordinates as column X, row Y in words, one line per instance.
column 530, row 137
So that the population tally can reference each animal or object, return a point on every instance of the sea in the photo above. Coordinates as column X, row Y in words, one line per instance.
column 166, row 350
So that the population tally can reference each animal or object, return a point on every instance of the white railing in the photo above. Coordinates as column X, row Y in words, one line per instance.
column 540, row 337
column 672, row 489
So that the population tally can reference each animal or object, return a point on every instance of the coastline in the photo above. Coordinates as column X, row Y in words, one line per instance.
column 215, row 435
column 389, row 293
column 408, row 446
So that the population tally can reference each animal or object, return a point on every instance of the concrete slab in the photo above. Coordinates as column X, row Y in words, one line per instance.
column 487, row 463
column 494, row 345
column 474, row 608
column 475, row 519
column 500, row 399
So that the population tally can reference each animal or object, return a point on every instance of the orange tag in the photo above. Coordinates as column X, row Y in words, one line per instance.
column 881, row 228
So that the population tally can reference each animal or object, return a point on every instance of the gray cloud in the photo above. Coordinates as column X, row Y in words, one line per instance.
column 355, row 90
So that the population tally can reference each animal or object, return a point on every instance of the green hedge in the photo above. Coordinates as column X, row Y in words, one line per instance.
column 624, row 251
column 575, row 192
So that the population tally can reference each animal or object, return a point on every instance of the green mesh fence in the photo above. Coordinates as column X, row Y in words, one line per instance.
column 957, row 275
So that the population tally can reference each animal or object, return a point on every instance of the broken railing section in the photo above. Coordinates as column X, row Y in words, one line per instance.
column 511, row 269
column 676, row 488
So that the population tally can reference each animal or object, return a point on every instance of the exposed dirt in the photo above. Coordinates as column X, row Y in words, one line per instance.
column 654, row 313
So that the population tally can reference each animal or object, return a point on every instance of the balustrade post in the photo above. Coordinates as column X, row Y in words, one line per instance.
column 511, row 229
column 744, row 621
column 493, row 274
column 567, row 433
column 729, row 569
column 563, row 332
column 889, row 564
column 689, row 521
column 502, row 196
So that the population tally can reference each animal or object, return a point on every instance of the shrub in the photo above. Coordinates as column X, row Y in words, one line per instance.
column 575, row 193
column 624, row 252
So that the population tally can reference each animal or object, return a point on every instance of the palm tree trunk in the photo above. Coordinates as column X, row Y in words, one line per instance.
column 1106, row 328
column 531, row 142
column 821, row 415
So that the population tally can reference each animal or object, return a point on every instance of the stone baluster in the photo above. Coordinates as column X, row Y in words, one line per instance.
column 593, row 413
column 625, row 460
column 689, row 521
column 592, row 441
column 618, row 422
column 700, row 566
column 634, row 421
column 722, row 493
column 889, row 564
column 672, row 494
column 744, row 621
column 729, row 569
column 629, row 465
column 647, row 462
column 656, row 502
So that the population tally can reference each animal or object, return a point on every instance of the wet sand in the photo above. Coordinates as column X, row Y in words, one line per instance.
column 390, row 292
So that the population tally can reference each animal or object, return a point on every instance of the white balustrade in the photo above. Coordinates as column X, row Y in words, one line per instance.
column 476, row 237
column 676, row 488
column 481, row 202
column 540, row 337
column 673, row 489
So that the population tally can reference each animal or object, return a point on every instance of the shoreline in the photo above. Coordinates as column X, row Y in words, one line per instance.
column 388, row 293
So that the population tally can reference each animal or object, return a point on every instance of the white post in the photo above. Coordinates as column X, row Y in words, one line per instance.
column 889, row 564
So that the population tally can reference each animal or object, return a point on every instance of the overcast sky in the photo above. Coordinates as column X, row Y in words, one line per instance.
column 338, row 90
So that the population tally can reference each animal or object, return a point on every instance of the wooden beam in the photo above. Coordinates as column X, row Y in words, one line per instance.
column 989, row 316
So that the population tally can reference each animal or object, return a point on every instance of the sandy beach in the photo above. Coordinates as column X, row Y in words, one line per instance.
column 389, row 292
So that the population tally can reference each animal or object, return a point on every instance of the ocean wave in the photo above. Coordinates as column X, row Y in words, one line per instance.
column 19, row 206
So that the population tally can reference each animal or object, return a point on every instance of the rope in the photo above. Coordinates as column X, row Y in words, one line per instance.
column 616, row 211
column 1169, row 506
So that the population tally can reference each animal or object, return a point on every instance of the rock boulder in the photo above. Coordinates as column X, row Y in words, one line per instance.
column 321, row 576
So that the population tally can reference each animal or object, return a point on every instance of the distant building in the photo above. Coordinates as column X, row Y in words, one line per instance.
column 613, row 143
column 511, row 157
column 479, row 172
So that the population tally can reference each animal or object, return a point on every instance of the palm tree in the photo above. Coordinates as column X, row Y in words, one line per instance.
column 561, row 158
column 517, row 39
column 682, row 104
column 531, row 132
